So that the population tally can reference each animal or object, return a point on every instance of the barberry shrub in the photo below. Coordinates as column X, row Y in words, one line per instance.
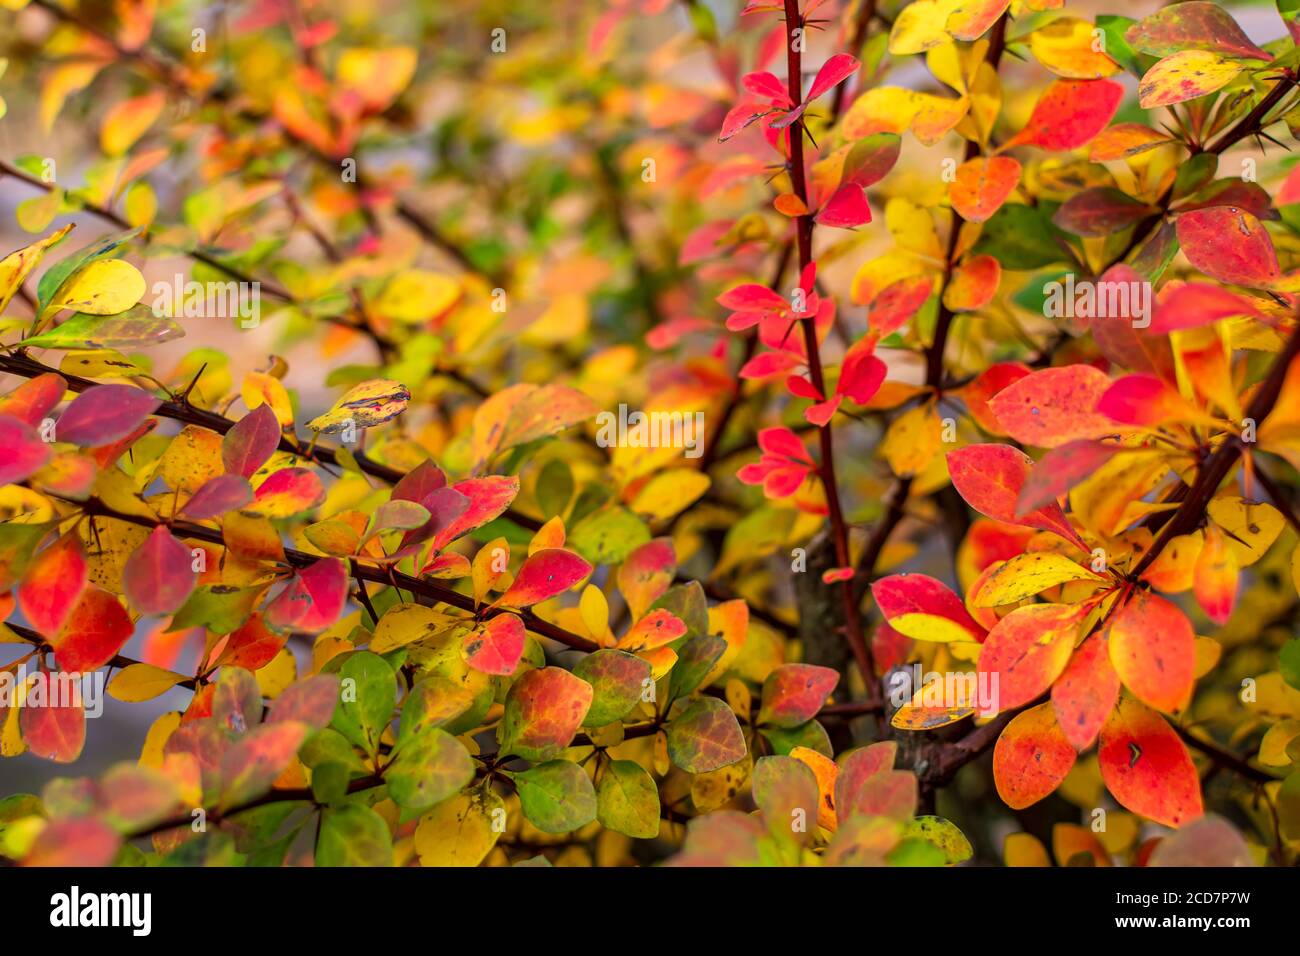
column 779, row 432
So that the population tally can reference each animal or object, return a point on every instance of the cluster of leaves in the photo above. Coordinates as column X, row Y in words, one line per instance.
column 441, row 623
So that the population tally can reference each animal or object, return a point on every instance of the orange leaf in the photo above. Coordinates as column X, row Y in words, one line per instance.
column 1153, row 649
column 1146, row 767
column 1028, row 650
column 1086, row 692
column 1031, row 758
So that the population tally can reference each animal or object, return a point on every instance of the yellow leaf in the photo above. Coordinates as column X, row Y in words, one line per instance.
column 151, row 754
column 378, row 76
column 1273, row 748
column 929, row 627
column 277, row 675
column 259, row 388
column 141, row 204
column 417, row 296
column 549, row 535
column 462, row 830
column 920, row 26
column 142, row 682
column 912, row 227
column 17, row 266
column 404, row 623
column 128, row 120
column 363, row 406
column 669, row 492
column 594, row 608
column 1185, row 76
column 1024, row 849
column 1252, row 527
column 192, row 459
column 1067, row 48
column 912, row 441
column 1025, row 575
column 104, row 287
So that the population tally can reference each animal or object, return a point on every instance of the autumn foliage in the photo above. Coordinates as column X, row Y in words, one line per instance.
column 975, row 322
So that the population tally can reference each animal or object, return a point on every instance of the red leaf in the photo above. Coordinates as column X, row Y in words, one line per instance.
column 740, row 116
column 219, row 495
column 1216, row 576
column 861, row 375
column 53, row 583
column 33, row 400
column 543, row 575
column 105, row 413
column 1060, row 470
column 253, row 645
column 253, row 440
column 1153, row 649
column 310, row 701
column 1146, row 767
column 647, row 573
column 495, row 646
column 833, row 72
column 1053, row 406
column 1194, row 304
column 488, row 499
column 74, row 841
column 990, row 478
column 1031, row 758
column 752, row 297
column 1069, row 114
column 54, row 727
column 1086, row 693
column 847, row 207
column 94, row 632
column 990, row 382
column 287, row 492
column 21, row 450
column 1145, row 400
column 313, row 600
column 793, row 693
column 159, row 575
column 901, row 596
column 766, row 85
column 1228, row 244
column 897, row 303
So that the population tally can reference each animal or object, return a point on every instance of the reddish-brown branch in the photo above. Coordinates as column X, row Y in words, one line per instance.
column 1191, row 512
column 803, row 238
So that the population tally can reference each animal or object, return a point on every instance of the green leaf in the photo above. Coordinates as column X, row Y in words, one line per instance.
column 705, row 736
column 1020, row 237
column 428, row 768
column 367, row 696
column 1289, row 658
column 695, row 659
column 136, row 328
column 556, row 796
column 608, row 536
column 942, row 834
column 353, row 835
column 628, row 800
